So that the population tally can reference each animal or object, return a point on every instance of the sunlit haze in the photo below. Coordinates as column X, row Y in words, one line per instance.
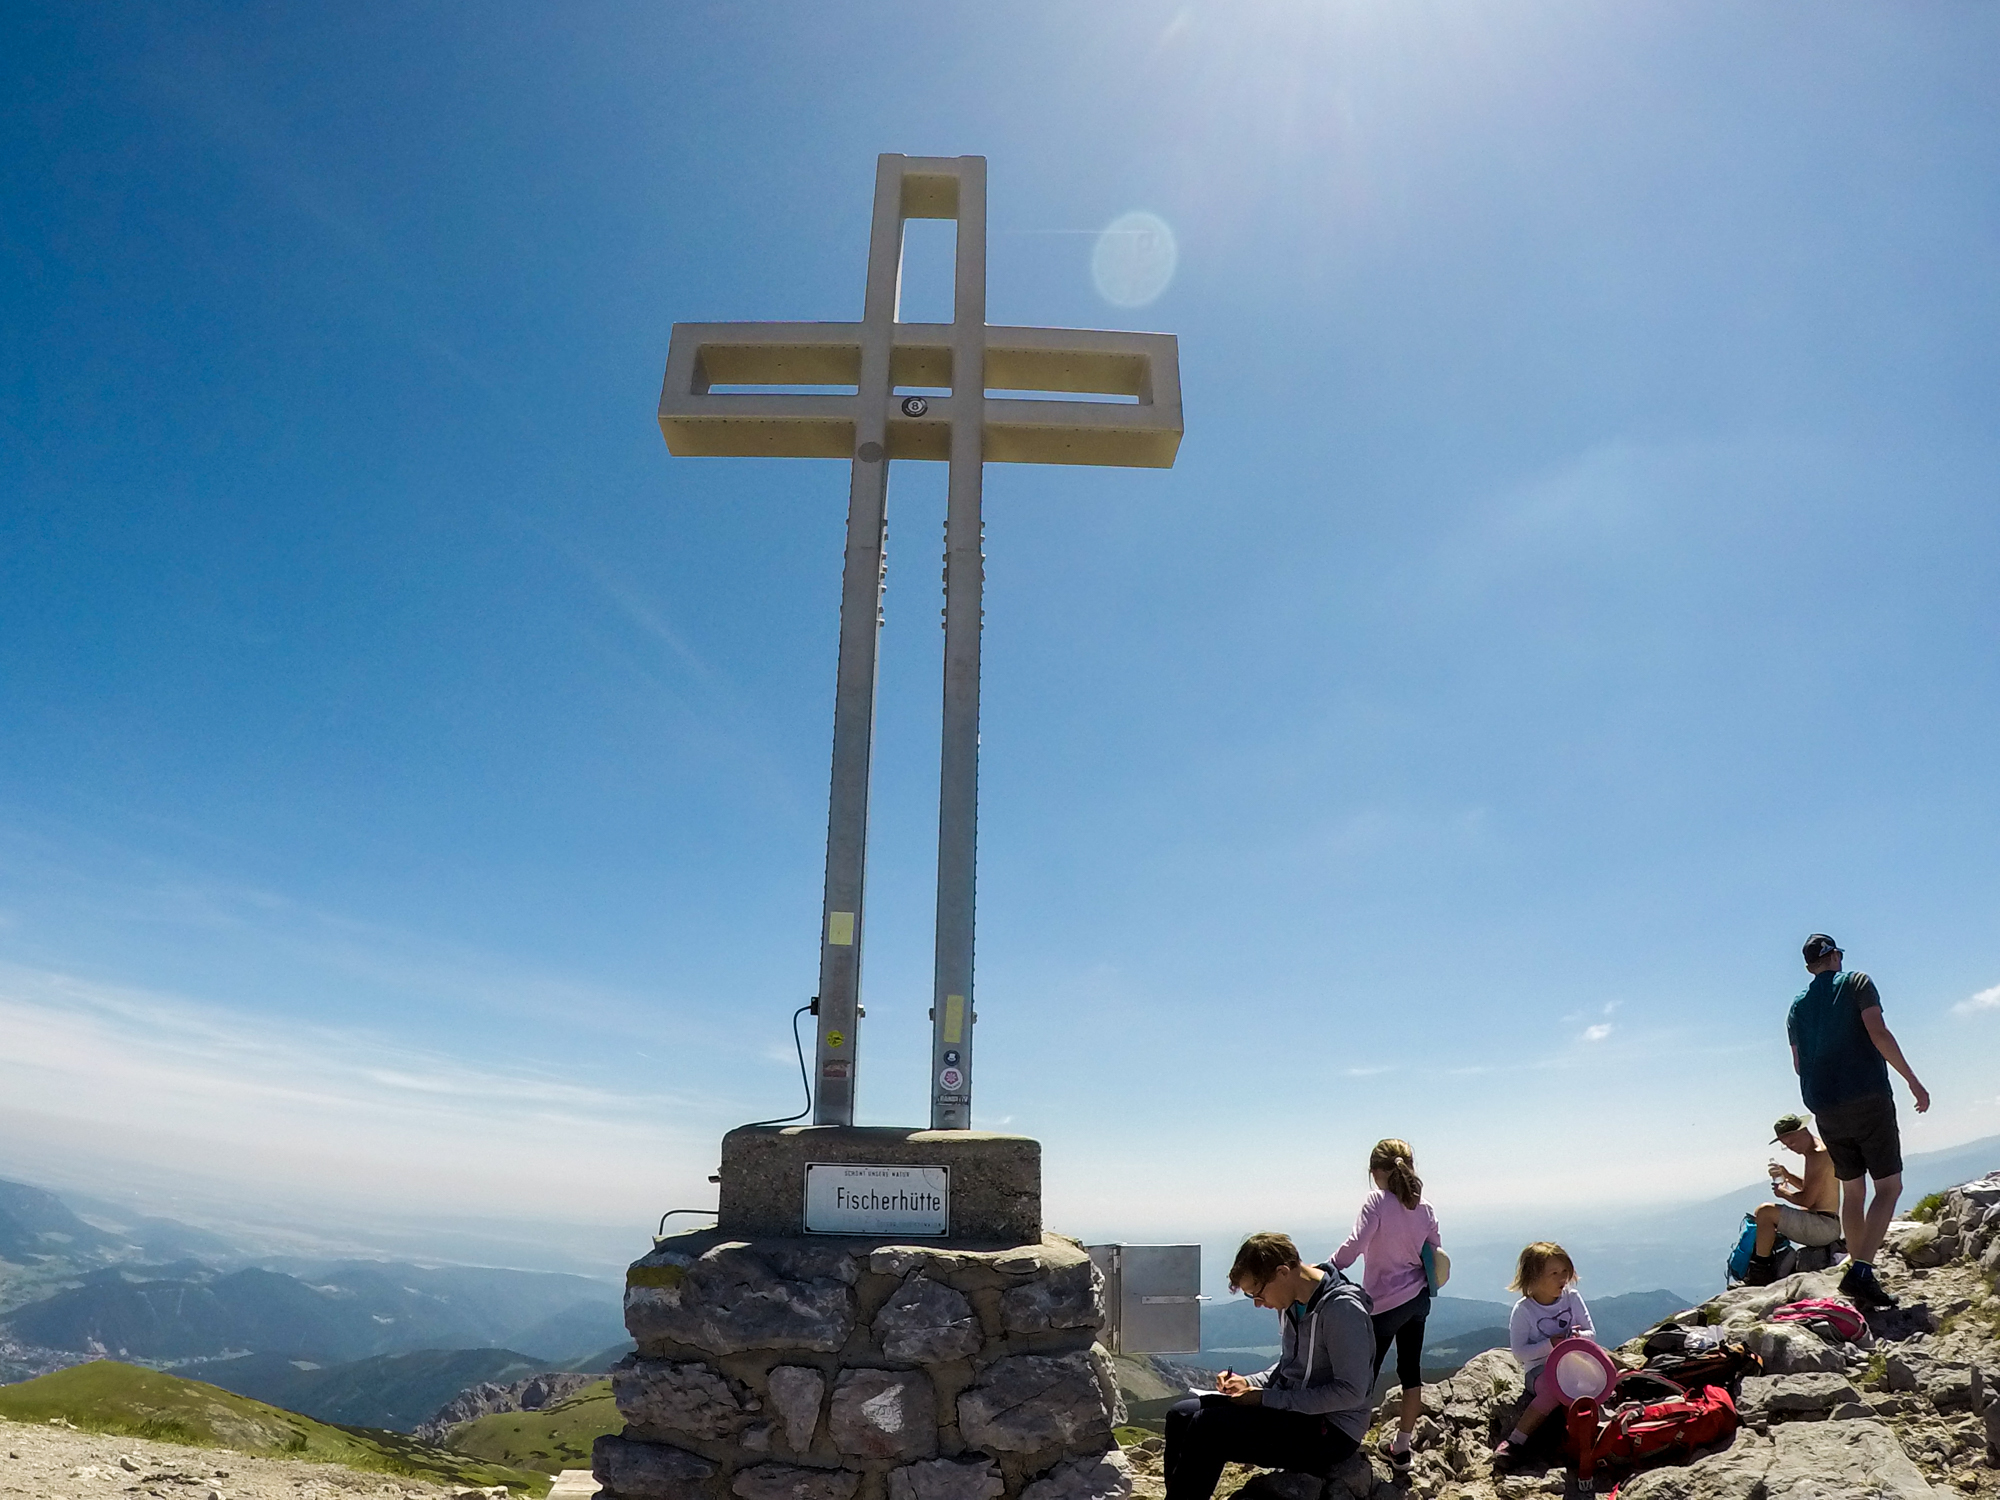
column 1575, row 586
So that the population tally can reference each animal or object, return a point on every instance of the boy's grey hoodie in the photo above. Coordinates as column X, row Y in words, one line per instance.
column 1326, row 1361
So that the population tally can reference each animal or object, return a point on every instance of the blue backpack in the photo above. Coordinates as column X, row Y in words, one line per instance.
column 1738, row 1265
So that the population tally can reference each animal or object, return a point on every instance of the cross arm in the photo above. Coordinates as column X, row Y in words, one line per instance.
column 698, row 421
column 1040, row 431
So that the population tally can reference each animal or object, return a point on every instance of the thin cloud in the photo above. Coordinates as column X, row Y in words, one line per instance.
column 1369, row 1072
column 1598, row 1032
column 1984, row 1000
column 131, row 1074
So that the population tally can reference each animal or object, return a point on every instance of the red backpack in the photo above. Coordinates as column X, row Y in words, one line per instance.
column 1631, row 1434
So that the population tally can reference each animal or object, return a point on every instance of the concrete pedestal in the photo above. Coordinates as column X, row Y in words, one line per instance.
column 996, row 1180
column 774, row 1365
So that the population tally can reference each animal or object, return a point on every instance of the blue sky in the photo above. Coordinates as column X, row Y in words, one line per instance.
column 1575, row 586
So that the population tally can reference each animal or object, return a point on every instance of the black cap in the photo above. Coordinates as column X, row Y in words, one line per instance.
column 1785, row 1125
column 1818, row 946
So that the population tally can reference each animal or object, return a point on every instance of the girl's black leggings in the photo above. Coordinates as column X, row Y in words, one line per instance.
column 1403, row 1326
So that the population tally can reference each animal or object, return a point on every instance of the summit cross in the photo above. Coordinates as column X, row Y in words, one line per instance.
column 876, row 418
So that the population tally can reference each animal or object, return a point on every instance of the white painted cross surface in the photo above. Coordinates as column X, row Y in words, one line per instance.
column 847, row 1198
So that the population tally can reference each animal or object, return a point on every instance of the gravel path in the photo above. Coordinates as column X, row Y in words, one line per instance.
column 53, row 1462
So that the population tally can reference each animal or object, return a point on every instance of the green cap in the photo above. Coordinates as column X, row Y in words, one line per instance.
column 1786, row 1125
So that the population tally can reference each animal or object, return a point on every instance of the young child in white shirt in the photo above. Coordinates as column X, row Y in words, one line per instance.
column 1549, row 1312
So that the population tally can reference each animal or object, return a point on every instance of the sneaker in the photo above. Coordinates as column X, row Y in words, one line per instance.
column 1507, row 1456
column 1858, row 1283
column 1400, row 1458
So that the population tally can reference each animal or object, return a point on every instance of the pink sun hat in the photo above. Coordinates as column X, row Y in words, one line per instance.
column 1580, row 1370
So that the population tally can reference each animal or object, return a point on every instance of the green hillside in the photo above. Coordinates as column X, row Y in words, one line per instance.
column 105, row 1396
column 555, row 1438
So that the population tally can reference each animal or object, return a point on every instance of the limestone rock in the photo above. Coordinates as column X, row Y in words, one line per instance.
column 1792, row 1349
column 1277, row 1484
column 1033, row 1401
column 1953, row 1388
column 1919, row 1245
column 1482, row 1398
column 926, row 1322
column 660, row 1396
column 1899, row 1323
column 1735, row 1473
column 649, row 1471
column 1107, row 1385
column 944, row 1479
column 1358, row 1477
column 1816, row 1460
column 796, row 1391
column 1070, row 1296
column 884, row 1414
column 731, row 1298
column 1736, row 1310
column 532, row 1394
column 1103, row 1476
column 757, row 1438
column 789, row 1482
column 1793, row 1395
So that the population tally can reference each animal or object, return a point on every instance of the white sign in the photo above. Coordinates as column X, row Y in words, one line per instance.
column 844, row 1198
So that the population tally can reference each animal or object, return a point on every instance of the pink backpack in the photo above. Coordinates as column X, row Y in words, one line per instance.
column 1839, row 1316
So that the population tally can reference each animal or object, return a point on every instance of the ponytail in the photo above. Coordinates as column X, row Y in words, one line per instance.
column 1394, row 1159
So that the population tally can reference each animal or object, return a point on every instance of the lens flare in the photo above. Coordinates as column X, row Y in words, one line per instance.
column 1134, row 259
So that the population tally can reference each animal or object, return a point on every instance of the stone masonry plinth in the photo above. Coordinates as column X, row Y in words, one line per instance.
column 778, row 1368
column 996, row 1180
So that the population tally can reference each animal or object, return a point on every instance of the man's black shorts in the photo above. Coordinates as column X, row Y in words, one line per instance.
column 1861, row 1136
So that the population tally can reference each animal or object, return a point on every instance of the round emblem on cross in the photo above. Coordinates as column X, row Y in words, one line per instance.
column 915, row 406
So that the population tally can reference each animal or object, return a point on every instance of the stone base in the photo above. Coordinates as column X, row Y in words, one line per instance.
column 996, row 1180
column 848, row 1369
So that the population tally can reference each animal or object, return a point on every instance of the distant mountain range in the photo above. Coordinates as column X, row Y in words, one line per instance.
column 396, row 1391
column 399, row 1392
column 187, row 1311
column 71, row 1290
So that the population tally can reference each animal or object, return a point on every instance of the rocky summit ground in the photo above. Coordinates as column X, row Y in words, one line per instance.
column 51, row 1461
column 1911, row 1411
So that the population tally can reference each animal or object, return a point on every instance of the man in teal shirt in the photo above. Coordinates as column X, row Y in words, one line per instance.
column 1842, row 1053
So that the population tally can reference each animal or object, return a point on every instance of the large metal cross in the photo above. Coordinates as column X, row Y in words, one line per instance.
column 874, row 416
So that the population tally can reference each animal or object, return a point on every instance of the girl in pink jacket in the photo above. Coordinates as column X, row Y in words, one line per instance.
column 1394, row 1227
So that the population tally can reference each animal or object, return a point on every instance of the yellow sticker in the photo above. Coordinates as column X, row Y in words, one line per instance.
column 954, row 1020
column 835, row 1038
column 840, row 928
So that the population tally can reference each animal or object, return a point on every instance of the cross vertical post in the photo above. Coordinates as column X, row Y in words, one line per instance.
column 863, row 577
column 964, row 593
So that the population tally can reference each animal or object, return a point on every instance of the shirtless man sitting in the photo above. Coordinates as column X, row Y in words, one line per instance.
column 1810, row 1214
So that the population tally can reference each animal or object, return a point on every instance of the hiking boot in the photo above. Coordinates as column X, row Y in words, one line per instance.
column 1762, row 1270
column 1858, row 1284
